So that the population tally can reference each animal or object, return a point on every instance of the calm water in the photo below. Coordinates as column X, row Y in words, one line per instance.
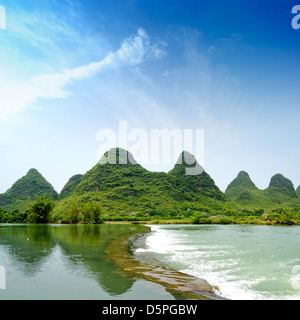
column 245, row 262
column 67, row 262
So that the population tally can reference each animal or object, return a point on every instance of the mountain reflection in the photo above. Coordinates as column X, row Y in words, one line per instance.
column 29, row 246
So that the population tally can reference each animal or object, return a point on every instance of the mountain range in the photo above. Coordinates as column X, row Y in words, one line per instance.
column 280, row 191
column 130, row 189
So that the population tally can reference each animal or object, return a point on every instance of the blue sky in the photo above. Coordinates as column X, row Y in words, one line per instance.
column 71, row 68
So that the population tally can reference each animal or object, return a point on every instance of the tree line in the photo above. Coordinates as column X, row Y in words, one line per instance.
column 41, row 212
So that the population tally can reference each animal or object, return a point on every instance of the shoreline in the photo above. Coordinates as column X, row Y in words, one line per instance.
column 182, row 286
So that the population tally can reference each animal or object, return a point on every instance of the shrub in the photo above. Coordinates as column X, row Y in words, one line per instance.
column 18, row 217
column 225, row 220
column 3, row 216
column 285, row 220
column 91, row 212
column 39, row 212
column 199, row 219
column 73, row 213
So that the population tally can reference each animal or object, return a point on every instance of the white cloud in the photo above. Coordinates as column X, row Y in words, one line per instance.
column 137, row 48
column 133, row 51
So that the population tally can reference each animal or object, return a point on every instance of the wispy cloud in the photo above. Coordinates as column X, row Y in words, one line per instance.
column 133, row 51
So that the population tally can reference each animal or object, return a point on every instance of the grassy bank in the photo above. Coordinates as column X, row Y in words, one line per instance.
column 227, row 215
column 91, row 212
column 267, row 219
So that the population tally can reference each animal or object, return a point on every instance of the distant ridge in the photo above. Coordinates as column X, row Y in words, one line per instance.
column 281, row 185
column 25, row 191
column 242, row 181
column 244, row 192
column 70, row 186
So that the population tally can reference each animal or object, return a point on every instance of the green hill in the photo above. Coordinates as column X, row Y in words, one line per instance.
column 25, row 190
column 298, row 192
column 70, row 186
column 281, row 188
column 124, row 187
column 200, row 184
column 239, row 185
column 279, row 192
column 243, row 191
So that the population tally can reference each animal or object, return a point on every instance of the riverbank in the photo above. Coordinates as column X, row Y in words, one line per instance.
column 122, row 252
column 266, row 220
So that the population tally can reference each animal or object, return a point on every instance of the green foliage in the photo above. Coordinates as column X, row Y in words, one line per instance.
column 201, row 219
column 18, row 217
column 91, row 212
column 4, row 217
column 130, row 188
column 241, row 183
column 259, row 212
column 73, row 213
column 225, row 220
column 25, row 190
column 128, row 192
column 70, row 186
column 39, row 212
column 282, row 185
column 244, row 193
column 298, row 192
column 285, row 220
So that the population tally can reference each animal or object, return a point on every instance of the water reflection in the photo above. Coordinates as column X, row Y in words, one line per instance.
column 29, row 246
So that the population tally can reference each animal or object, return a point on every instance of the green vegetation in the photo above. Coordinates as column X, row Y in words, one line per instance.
column 129, row 192
column 91, row 213
column 298, row 192
column 39, row 211
column 250, row 216
column 74, row 214
column 70, row 186
column 245, row 194
column 25, row 190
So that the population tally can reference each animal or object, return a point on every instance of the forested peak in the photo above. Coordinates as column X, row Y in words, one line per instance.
column 117, row 156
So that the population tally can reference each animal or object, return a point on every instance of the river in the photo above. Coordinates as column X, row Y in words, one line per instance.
column 244, row 261
column 84, row 261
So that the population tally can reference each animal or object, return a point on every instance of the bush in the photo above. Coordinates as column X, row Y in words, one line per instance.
column 200, row 219
column 225, row 220
column 91, row 212
column 285, row 220
column 229, row 211
column 73, row 213
column 39, row 212
column 18, row 217
column 3, row 216
column 259, row 212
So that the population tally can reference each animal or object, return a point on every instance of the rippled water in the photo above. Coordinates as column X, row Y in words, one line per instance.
column 244, row 261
